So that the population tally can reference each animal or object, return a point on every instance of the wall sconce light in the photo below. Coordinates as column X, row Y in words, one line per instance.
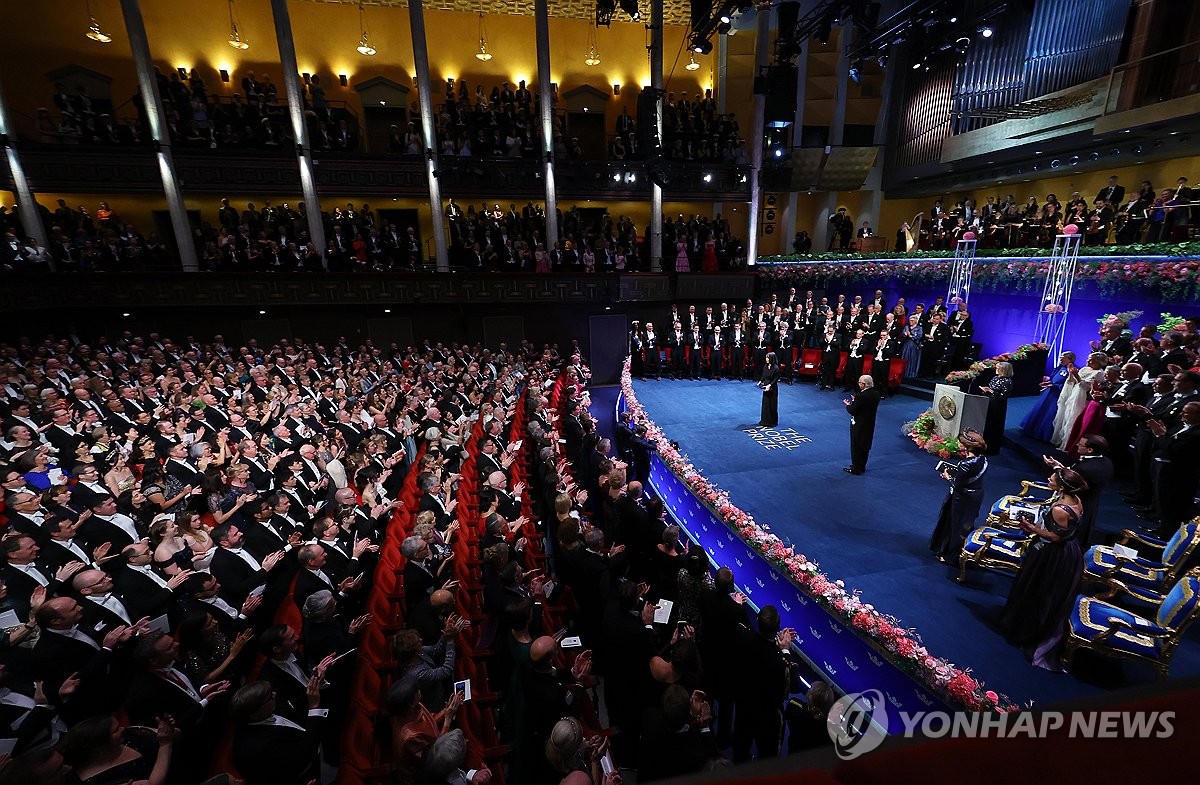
column 224, row 75
column 345, row 80
column 182, row 72
column 307, row 78
column 616, row 89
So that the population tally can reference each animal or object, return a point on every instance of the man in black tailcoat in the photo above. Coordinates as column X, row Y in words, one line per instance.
column 862, row 409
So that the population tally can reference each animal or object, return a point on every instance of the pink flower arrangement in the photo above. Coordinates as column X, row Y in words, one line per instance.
column 886, row 632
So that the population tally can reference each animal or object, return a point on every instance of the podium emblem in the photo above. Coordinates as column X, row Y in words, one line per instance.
column 947, row 408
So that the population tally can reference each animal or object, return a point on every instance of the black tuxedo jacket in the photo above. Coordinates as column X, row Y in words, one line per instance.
column 291, row 696
column 419, row 583
column 277, row 754
column 236, row 577
column 141, row 595
column 151, row 696
column 55, row 657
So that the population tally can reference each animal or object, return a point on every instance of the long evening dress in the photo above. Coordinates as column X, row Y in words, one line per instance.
column 1045, row 589
column 681, row 258
column 997, row 413
column 960, row 508
column 1071, row 403
column 708, row 263
column 1039, row 422
column 770, row 397
column 911, row 351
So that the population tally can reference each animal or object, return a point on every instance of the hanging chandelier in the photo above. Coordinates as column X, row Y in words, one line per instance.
column 592, row 58
column 692, row 65
column 364, row 41
column 235, row 37
column 93, row 31
column 483, row 54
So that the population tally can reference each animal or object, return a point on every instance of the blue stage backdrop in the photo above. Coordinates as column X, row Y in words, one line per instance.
column 1004, row 321
column 844, row 658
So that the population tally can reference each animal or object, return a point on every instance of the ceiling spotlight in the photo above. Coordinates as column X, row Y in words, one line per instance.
column 779, row 152
column 483, row 54
column 707, row 177
column 726, row 19
column 692, row 65
column 701, row 45
column 723, row 28
column 364, row 40
column 917, row 65
column 953, row 19
column 986, row 31
column 631, row 7
column 235, row 37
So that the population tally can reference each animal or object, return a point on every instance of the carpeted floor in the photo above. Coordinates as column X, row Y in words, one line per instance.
column 872, row 531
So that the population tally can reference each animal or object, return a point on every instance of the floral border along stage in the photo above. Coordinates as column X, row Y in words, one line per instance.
column 978, row 367
column 1175, row 280
column 900, row 645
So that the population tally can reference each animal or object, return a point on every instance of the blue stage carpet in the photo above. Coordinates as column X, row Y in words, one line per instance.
column 872, row 531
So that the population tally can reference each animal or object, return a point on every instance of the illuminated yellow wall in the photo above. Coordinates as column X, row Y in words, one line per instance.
column 193, row 34
column 1161, row 174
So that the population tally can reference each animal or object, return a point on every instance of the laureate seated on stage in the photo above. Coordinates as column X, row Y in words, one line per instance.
column 1112, row 631
column 1136, row 576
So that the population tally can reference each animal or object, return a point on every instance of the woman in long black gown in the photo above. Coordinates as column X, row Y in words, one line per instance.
column 998, row 390
column 962, row 503
column 1036, row 613
column 770, row 387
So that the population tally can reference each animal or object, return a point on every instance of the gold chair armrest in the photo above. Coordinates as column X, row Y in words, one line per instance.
column 1128, row 535
column 1029, row 485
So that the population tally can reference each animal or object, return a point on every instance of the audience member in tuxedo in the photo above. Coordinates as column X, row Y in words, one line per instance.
column 831, row 355
column 763, row 686
column 1160, row 405
column 959, row 335
column 422, row 575
column 724, row 614
column 1119, row 424
column 1112, row 343
column 1094, row 466
column 856, row 354
column 1176, row 454
column 236, row 568
column 269, row 748
column 807, row 720
column 963, row 499
column 160, row 688
column 862, row 409
column 886, row 349
column 937, row 336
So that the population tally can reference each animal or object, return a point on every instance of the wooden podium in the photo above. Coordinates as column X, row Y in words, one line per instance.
column 955, row 410
column 874, row 244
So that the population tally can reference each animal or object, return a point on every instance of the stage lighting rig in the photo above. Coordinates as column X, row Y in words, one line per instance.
column 631, row 7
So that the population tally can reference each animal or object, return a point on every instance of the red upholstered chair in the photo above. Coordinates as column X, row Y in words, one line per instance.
column 896, row 372
column 841, row 369
column 810, row 363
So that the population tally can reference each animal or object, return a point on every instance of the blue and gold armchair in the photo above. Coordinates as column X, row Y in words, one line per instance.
column 1001, row 544
column 1032, row 494
column 994, row 548
column 1142, row 579
column 1115, row 632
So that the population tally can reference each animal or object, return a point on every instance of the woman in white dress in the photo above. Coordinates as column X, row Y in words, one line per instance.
column 1074, row 396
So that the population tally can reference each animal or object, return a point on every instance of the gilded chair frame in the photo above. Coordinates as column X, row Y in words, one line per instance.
column 1170, row 639
column 983, row 561
column 1170, row 573
column 1021, row 497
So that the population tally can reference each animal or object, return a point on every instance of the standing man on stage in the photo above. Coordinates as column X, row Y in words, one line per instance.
column 862, row 409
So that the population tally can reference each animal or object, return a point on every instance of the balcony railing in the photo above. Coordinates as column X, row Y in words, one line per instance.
column 1163, row 76
column 78, row 168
